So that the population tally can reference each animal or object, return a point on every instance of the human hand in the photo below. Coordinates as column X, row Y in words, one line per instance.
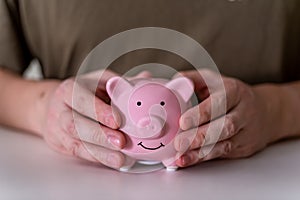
column 81, row 123
column 248, row 121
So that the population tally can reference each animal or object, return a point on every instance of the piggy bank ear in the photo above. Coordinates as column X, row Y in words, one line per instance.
column 182, row 86
column 116, row 86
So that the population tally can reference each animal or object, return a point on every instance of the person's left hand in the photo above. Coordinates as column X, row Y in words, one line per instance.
column 249, row 123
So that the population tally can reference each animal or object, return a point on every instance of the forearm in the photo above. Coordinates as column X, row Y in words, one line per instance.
column 23, row 103
column 283, row 106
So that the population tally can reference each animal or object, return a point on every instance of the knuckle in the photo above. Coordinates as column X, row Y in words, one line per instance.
column 195, row 113
column 218, row 104
column 202, row 136
column 227, row 148
column 221, row 104
column 197, row 140
column 79, row 102
column 79, row 105
column 68, row 123
column 205, row 114
column 73, row 148
column 234, row 87
column 64, row 88
column 97, row 136
column 230, row 128
column 71, row 128
column 67, row 84
column 232, row 84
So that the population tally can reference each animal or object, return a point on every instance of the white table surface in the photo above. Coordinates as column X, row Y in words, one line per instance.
column 30, row 170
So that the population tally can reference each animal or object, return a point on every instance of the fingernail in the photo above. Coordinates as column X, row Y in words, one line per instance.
column 185, row 160
column 187, row 123
column 115, row 141
column 128, row 163
column 145, row 74
column 114, row 160
column 178, row 74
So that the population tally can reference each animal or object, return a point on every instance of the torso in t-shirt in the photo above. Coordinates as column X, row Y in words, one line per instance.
column 245, row 38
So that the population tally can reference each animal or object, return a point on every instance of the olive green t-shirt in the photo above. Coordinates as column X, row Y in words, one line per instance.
column 254, row 40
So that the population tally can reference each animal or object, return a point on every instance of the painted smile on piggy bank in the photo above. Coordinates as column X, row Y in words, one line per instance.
column 150, row 111
column 148, row 148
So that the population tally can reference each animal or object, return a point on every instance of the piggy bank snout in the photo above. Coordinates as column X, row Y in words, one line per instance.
column 148, row 128
column 152, row 125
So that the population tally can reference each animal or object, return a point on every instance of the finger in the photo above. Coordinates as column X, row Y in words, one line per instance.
column 216, row 105
column 101, row 90
column 213, row 80
column 96, row 79
column 105, row 76
column 101, row 94
column 242, row 145
column 82, row 128
column 96, row 82
column 200, row 86
column 90, row 152
column 218, row 130
column 87, row 104
column 143, row 74
column 206, row 81
column 205, row 153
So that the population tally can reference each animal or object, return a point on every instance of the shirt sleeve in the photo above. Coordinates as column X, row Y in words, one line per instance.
column 14, row 54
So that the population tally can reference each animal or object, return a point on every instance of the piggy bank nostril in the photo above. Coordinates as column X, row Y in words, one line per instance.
column 144, row 123
column 150, row 127
column 153, row 128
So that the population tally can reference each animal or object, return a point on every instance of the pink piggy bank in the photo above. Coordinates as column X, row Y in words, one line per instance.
column 150, row 110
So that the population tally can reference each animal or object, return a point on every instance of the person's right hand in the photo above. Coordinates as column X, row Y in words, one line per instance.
column 82, row 124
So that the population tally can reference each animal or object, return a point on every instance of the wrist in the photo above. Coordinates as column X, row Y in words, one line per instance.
column 272, row 111
column 23, row 103
column 42, row 95
column 290, row 97
column 282, row 110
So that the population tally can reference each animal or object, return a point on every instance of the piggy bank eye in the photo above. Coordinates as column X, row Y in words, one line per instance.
column 162, row 103
column 138, row 103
